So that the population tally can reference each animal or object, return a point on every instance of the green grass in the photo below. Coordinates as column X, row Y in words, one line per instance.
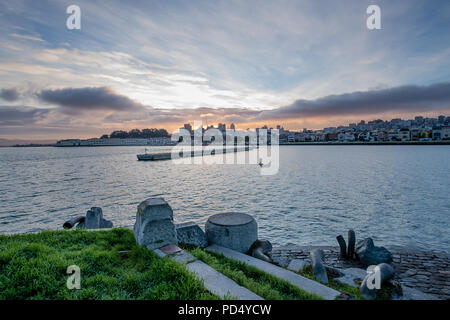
column 334, row 284
column 34, row 266
column 261, row 283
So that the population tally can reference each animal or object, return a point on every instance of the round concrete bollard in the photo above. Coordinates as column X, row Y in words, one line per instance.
column 232, row 230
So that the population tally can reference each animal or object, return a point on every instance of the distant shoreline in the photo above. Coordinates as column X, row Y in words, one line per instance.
column 331, row 143
column 375, row 143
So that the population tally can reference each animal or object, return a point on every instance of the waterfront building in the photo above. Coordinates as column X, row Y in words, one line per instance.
column 404, row 134
column 436, row 133
column 95, row 142
column 445, row 133
column 346, row 136
column 393, row 135
column 415, row 134
column 188, row 127
column 222, row 127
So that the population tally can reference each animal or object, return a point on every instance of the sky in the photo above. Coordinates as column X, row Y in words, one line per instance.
column 138, row 64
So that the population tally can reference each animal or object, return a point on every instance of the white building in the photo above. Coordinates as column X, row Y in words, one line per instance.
column 95, row 142
column 346, row 136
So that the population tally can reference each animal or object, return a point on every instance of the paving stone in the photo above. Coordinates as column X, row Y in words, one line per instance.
column 435, row 275
column 183, row 257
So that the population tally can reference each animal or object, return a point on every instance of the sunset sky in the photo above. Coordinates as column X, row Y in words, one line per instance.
column 138, row 64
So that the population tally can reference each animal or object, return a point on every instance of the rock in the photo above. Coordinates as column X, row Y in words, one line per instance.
column 333, row 272
column 342, row 246
column 369, row 254
column 318, row 268
column 350, row 275
column 259, row 254
column 233, row 230
column 94, row 219
column 154, row 225
column 281, row 261
column 297, row 265
column 409, row 273
column 191, row 234
column 413, row 294
column 105, row 224
column 262, row 249
column 375, row 279
column 351, row 244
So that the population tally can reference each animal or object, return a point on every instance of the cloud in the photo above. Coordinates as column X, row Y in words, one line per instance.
column 410, row 98
column 76, row 109
column 26, row 37
column 74, row 100
column 21, row 116
column 9, row 94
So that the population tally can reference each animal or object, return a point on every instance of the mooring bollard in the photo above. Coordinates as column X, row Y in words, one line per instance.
column 69, row 224
column 233, row 230
column 319, row 270
column 342, row 245
column 351, row 244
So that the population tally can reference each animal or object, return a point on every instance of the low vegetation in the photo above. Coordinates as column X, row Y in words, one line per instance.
column 332, row 283
column 34, row 266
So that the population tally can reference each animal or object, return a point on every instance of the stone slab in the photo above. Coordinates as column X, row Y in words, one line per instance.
column 170, row 248
column 183, row 257
column 159, row 253
column 191, row 234
column 295, row 279
column 218, row 284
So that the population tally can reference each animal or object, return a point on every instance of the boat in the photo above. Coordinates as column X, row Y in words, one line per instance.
column 154, row 156
column 145, row 157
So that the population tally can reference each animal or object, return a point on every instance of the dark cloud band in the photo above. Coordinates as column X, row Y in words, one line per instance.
column 79, row 99
column 398, row 99
column 9, row 94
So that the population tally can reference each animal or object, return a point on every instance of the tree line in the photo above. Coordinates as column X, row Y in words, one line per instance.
column 136, row 133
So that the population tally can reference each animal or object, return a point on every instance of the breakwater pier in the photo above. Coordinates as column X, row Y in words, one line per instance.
column 205, row 151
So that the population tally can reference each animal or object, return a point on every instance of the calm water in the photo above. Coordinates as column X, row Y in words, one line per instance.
column 399, row 195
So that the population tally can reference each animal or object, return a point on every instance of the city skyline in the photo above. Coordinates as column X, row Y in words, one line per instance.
column 421, row 122
column 164, row 64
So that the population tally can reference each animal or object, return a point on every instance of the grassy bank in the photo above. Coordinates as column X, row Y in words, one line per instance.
column 34, row 266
